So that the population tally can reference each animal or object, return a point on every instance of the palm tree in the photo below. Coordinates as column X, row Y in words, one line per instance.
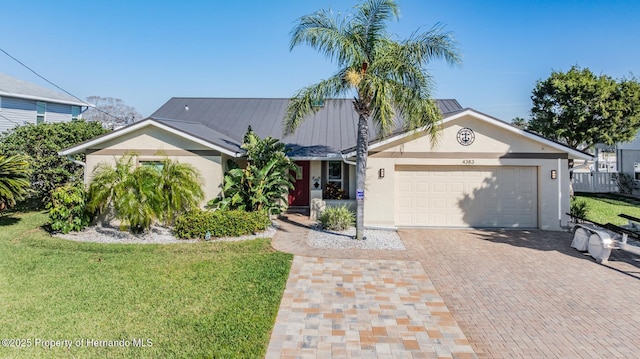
column 388, row 77
column 520, row 123
column 181, row 186
column 141, row 195
column 14, row 180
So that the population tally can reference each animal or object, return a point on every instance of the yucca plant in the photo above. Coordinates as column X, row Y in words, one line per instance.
column 14, row 180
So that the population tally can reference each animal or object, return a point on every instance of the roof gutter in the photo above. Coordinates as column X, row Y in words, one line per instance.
column 344, row 159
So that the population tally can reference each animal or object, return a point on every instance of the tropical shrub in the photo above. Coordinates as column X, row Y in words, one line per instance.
column 14, row 180
column 333, row 191
column 626, row 183
column 41, row 144
column 264, row 183
column 337, row 218
column 578, row 208
column 145, row 194
column 67, row 209
column 181, row 188
column 220, row 223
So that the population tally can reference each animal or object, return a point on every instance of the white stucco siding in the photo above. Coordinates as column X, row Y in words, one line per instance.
column 488, row 139
column 497, row 153
column 152, row 144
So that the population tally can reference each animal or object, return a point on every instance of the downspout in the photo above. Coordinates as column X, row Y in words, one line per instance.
column 344, row 159
column 560, row 192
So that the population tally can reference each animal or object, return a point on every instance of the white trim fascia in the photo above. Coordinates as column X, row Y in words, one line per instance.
column 328, row 157
column 137, row 126
column 490, row 120
column 45, row 99
column 302, row 158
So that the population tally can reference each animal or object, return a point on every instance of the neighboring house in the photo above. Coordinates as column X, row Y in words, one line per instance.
column 481, row 173
column 628, row 157
column 22, row 102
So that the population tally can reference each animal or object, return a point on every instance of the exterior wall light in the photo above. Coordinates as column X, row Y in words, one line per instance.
column 381, row 173
column 554, row 174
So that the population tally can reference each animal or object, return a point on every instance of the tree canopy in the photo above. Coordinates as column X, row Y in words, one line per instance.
column 388, row 76
column 41, row 144
column 580, row 109
column 111, row 112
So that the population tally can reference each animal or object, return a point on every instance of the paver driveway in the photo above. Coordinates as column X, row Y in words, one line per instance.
column 518, row 294
column 514, row 294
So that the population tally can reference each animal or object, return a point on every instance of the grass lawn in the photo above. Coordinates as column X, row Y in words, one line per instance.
column 604, row 208
column 188, row 300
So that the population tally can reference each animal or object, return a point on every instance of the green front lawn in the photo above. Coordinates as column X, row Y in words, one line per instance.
column 183, row 300
column 604, row 208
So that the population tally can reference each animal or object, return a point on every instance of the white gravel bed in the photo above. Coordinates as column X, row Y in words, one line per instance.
column 376, row 239
column 156, row 235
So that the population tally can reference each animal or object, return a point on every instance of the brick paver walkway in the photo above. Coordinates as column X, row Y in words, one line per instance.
column 360, row 308
column 514, row 294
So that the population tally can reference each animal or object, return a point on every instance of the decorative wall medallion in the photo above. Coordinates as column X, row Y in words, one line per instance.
column 466, row 136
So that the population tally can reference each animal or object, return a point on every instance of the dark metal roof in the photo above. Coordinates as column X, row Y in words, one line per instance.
column 224, row 121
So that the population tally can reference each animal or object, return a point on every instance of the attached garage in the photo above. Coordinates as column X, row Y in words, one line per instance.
column 463, row 196
column 478, row 173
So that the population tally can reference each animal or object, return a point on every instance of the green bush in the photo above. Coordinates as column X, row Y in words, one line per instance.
column 67, row 209
column 337, row 218
column 41, row 144
column 579, row 208
column 626, row 183
column 221, row 223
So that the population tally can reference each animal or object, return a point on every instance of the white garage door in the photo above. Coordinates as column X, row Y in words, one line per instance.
column 464, row 196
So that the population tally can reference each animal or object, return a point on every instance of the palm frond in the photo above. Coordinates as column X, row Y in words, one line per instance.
column 329, row 35
column 14, row 179
column 370, row 22
column 302, row 103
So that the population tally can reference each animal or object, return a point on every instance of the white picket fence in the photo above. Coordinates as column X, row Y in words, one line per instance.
column 594, row 182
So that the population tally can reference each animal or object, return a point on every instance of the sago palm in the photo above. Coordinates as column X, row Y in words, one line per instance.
column 14, row 180
column 387, row 77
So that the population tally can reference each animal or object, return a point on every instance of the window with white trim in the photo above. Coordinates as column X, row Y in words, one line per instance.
column 334, row 188
column 75, row 112
column 41, row 110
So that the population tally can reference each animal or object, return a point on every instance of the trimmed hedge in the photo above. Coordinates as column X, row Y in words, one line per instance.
column 221, row 223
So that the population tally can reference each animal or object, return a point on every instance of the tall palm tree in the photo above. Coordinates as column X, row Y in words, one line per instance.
column 388, row 77
column 14, row 180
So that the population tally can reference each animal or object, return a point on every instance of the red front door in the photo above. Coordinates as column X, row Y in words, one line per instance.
column 299, row 195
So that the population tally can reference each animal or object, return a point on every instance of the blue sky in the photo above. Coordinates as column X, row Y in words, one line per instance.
column 146, row 52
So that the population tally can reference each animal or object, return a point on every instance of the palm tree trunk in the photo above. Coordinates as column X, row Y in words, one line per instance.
column 362, row 149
